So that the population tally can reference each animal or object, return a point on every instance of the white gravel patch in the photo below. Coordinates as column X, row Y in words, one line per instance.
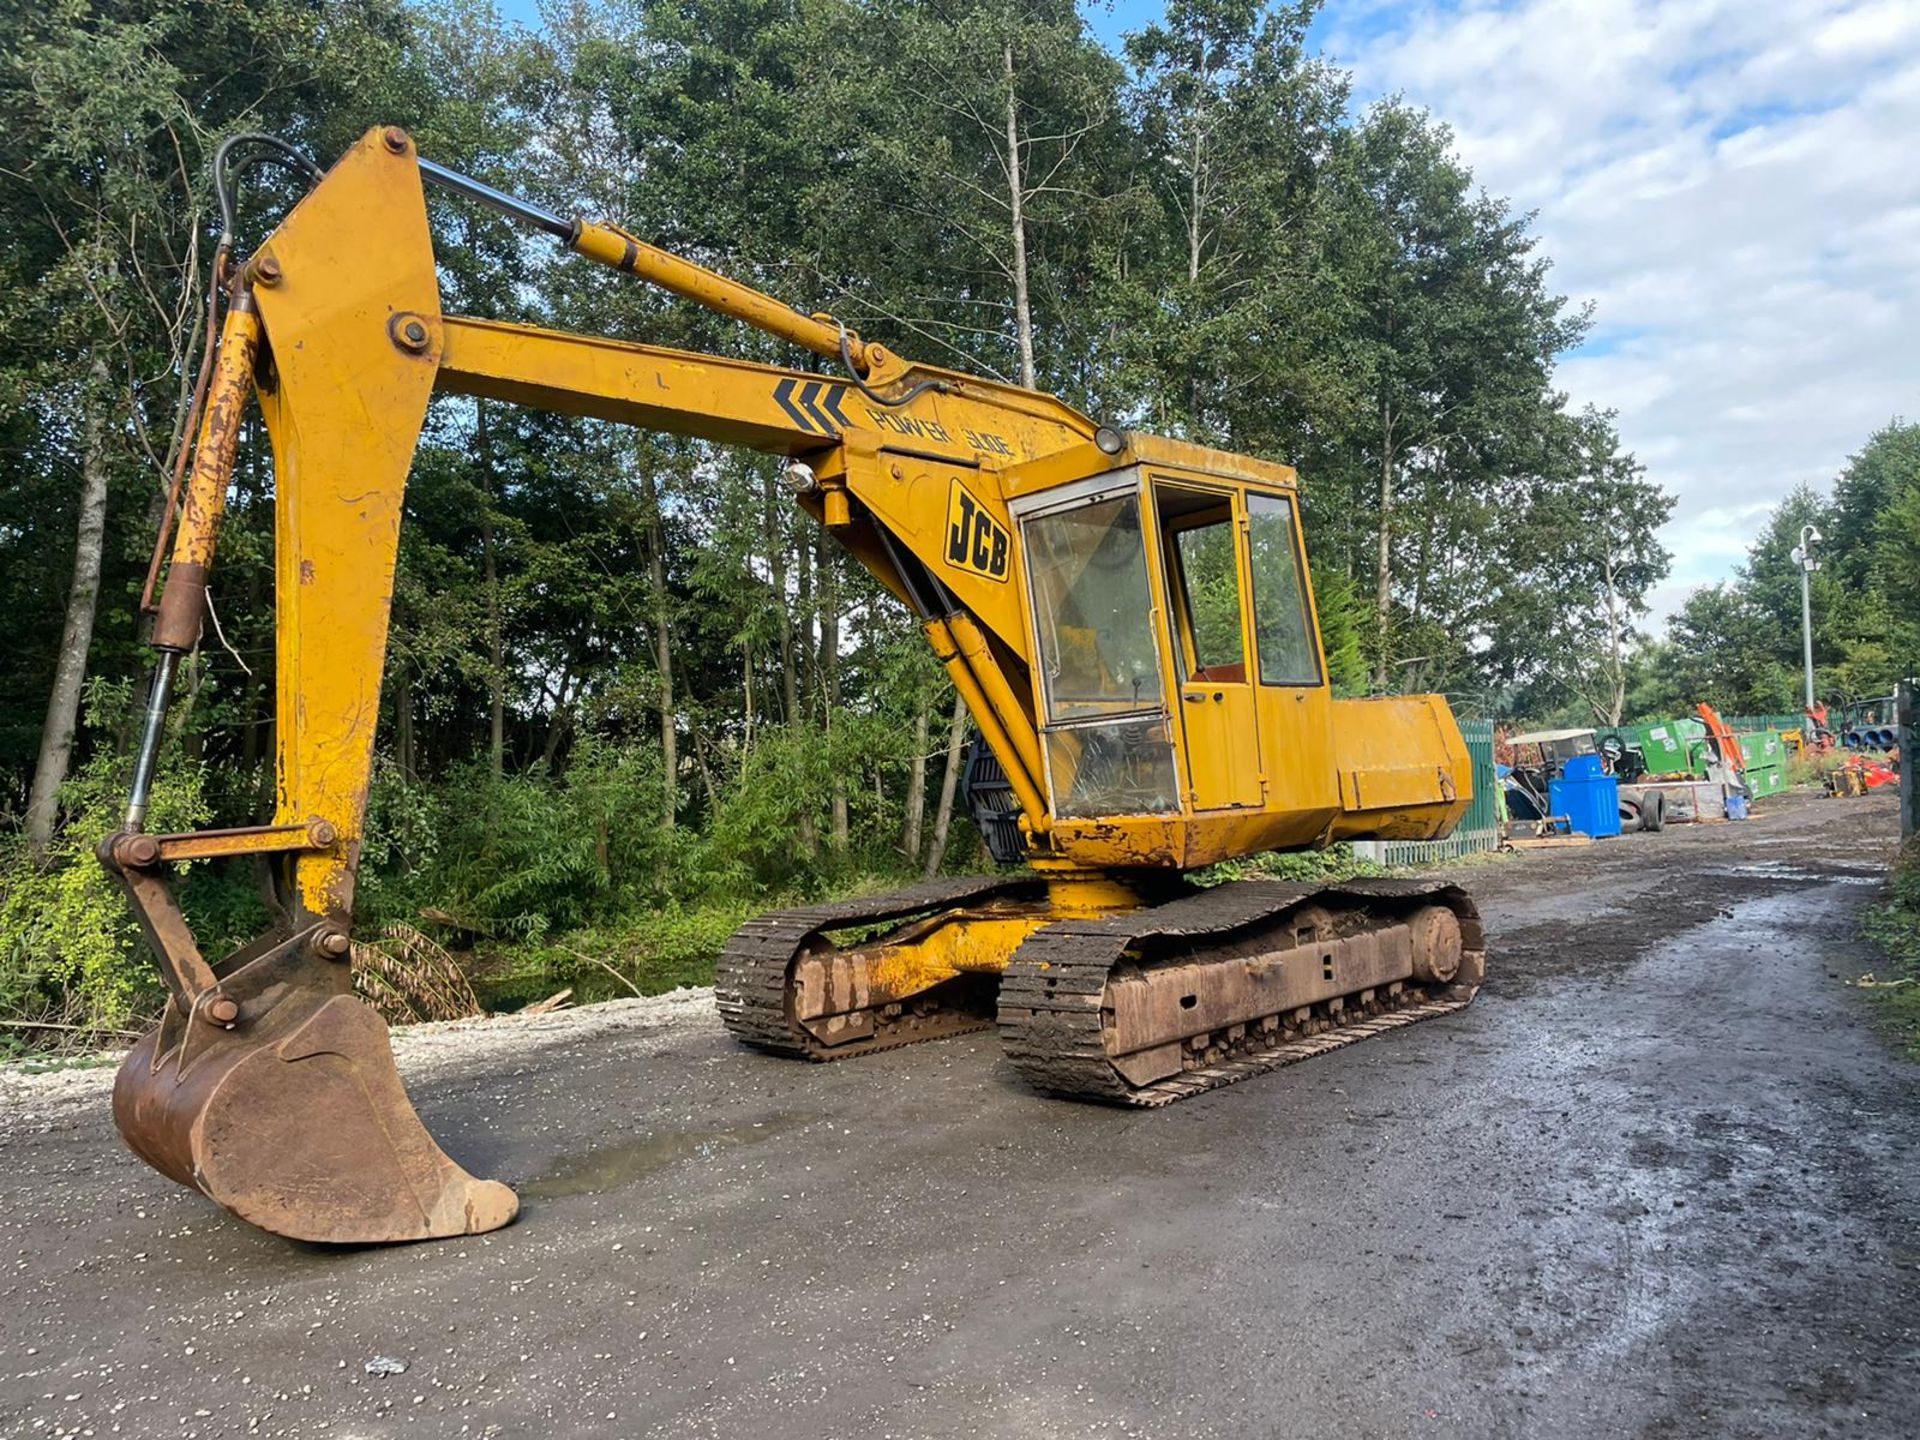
column 422, row 1051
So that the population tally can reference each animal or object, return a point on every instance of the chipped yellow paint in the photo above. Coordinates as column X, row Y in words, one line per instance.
column 983, row 941
column 344, row 405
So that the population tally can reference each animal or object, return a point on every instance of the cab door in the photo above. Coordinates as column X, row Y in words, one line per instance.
column 1202, row 571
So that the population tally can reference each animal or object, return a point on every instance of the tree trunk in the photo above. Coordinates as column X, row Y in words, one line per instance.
column 830, row 675
column 83, row 598
column 403, row 723
column 777, row 567
column 806, row 648
column 949, row 783
column 496, row 646
column 662, row 634
column 560, row 721
column 1383, row 564
column 705, row 770
column 1194, row 227
column 746, row 694
column 917, row 785
column 1617, row 666
column 804, row 654
column 1016, row 205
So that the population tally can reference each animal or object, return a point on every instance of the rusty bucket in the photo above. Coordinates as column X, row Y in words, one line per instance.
column 287, row 1110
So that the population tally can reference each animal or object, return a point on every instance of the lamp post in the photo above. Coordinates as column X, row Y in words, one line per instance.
column 1803, row 557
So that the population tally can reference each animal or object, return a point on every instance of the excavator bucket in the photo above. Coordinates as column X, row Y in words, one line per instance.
column 293, row 1116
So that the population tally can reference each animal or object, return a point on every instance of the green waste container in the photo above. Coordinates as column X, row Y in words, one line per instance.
column 1664, row 746
column 1763, row 749
column 1764, row 758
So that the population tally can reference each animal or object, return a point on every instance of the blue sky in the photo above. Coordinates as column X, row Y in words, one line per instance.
column 1732, row 184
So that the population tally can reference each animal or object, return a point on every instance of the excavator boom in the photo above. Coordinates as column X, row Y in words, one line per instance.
column 1128, row 618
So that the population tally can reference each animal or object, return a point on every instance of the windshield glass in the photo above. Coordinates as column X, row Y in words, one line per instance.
column 1093, row 610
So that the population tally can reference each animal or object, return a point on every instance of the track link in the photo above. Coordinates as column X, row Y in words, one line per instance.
column 1053, row 996
column 752, row 978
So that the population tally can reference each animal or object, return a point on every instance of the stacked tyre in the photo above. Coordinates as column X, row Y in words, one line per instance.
column 1647, row 811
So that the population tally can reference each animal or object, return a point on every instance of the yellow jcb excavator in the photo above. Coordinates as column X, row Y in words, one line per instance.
column 1128, row 618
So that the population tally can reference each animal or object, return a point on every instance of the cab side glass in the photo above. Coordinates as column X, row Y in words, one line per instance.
column 1207, row 589
column 1283, row 636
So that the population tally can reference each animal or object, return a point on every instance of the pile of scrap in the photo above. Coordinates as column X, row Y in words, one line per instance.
column 1698, row 768
column 1557, row 790
column 1858, row 774
column 1572, row 786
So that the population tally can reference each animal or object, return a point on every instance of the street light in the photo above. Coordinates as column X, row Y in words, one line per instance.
column 1803, row 557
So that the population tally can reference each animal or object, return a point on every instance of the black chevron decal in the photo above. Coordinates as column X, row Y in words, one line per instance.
column 783, row 396
column 836, row 396
column 810, row 402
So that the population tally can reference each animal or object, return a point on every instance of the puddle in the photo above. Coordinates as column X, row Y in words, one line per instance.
column 1828, row 872
column 608, row 1167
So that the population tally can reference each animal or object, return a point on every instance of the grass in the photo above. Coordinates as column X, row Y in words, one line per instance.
column 1894, row 927
column 32, row 1064
column 663, row 950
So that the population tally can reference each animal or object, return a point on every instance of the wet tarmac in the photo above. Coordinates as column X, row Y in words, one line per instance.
column 1660, row 1180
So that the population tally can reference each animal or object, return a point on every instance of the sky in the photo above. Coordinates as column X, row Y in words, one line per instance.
column 1734, row 186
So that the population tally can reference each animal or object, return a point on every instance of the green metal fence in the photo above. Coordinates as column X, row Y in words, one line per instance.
column 1479, row 828
column 1909, row 782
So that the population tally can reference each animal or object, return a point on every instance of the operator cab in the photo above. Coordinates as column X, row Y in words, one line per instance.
column 1176, row 644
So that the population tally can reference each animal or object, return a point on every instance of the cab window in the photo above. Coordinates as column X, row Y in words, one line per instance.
column 1203, row 583
column 1282, row 630
column 1108, row 751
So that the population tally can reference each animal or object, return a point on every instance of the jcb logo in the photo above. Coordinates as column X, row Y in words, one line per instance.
column 975, row 540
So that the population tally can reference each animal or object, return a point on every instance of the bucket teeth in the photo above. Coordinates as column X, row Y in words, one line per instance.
column 296, row 1121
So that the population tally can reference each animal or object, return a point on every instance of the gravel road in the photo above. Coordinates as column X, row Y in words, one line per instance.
column 1660, row 1180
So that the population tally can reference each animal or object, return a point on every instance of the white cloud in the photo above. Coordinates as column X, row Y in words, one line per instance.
column 1732, row 184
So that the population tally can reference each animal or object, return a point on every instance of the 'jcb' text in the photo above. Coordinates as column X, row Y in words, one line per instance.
column 975, row 540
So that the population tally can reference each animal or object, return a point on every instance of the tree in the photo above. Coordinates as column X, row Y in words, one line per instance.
column 1455, row 333
column 1230, row 307
column 1583, row 536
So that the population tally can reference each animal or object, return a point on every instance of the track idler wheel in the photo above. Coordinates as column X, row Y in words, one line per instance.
column 1436, row 945
column 294, row 1118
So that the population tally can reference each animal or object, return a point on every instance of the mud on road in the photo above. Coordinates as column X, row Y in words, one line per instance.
column 1660, row 1180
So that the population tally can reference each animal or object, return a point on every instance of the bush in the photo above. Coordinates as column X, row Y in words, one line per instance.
column 652, row 953
column 522, row 856
column 68, row 941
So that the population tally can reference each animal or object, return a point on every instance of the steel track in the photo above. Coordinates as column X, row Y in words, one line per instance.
column 751, row 980
column 1052, row 997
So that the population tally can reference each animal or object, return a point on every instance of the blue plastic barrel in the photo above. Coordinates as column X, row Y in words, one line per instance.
column 1587, row 796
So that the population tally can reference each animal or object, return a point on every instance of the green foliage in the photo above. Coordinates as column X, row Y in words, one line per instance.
column 1738, row 645
column 1894, row 926
column 1342, row 617
column 650, row 952
column 521, row 856
column 1335, row 863
column 67, row 940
